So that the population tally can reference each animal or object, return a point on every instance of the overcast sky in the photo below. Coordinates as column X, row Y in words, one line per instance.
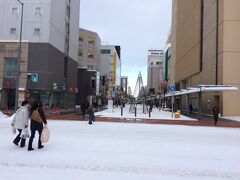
column 135, row 25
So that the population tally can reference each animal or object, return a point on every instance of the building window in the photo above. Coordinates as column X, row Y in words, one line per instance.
column 36, row 32
column 158, row 63
column 81, row 37
column 93, row 83
column 151, row 63
column 14, row 10
column 38, row 11
column 80, row 52
column 91, row 40
column 90, row 54
column 13, row 31
column 10, row 67
column 105, row 51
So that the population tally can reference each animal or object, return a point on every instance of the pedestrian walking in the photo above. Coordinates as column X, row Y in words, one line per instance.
column 84, row 107
column 215, row 114
column 38, row 118
column 91, row 115
column 20, row 122
column 190, row 108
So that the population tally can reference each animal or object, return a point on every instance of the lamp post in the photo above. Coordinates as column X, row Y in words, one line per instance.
column 19, row 60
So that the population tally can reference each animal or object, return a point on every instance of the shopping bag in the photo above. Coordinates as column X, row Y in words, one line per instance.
column 45, row 134
column 25, row 133
column 13, row 130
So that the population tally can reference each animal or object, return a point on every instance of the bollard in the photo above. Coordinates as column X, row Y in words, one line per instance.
column 121, row 111
column 135, row 112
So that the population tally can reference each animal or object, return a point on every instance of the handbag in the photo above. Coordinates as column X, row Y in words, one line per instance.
column 36, row 116
column 45, row 134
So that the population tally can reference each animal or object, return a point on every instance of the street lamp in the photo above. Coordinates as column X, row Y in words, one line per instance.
column 19, row 60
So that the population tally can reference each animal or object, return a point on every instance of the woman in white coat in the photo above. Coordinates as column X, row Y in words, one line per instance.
column 20, row 122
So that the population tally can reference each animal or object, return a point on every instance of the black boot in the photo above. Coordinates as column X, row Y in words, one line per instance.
column 40, row 147
column 30, row 144
column 22, row 144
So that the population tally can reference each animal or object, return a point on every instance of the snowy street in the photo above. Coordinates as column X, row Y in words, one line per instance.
column 122, row 151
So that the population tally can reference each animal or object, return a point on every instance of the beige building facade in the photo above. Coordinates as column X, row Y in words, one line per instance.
column 205, row 41
column 89, row 49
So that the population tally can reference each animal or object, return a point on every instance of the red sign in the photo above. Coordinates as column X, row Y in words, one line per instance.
column 76, row 90
column 70, row 89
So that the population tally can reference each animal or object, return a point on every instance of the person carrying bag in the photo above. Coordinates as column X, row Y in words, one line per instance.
column 38, row 118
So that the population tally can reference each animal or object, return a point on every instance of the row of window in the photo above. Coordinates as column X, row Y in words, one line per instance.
column 91, row 40
column 105, row 51
column 37, row 11
column 157, row 63
column 90, row 53
column 36, row 31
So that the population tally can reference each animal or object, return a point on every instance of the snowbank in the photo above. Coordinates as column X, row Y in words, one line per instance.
column 156, row 114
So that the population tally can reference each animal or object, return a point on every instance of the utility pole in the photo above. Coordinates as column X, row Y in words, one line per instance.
column 19, row 60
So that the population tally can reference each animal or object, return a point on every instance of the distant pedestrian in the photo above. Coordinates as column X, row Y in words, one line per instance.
column 20, row 122
column 38, row 118
column 84, row 107
column 190, row 108
column 215, row 114
column 91, row 115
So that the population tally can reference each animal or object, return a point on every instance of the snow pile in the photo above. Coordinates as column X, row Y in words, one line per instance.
column 156, row 114
column 122, row 151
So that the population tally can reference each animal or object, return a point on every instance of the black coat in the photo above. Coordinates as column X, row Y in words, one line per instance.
column 35, row 124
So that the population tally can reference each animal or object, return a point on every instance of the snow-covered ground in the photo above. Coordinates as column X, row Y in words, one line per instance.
column 122, row 151
column 156, row 114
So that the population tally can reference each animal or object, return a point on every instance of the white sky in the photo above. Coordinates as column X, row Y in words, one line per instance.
column 135, row 25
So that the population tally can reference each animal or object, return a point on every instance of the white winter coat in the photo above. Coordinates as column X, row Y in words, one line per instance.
column 20, row 119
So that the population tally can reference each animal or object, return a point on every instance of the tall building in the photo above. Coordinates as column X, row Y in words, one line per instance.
column 89, row 65
column 89, row 49
column 205, row 43
column 155, row 69
column 49, row 51
column 110, row 67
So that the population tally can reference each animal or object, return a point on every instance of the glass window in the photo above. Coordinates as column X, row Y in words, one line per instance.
column 36, row 32
column 13, row 31
column 10, row 67
column 14, row 10
column 81, row 37
column 38, row 10
column 93, row 83
column 90, row 54
column 158, row 63
column 80, row 52
column 105, row 51
column 91, row 40
column 151, row 63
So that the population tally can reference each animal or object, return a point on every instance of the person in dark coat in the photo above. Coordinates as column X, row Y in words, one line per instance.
column 190, row 108
column 215, row 114
column 38, row 118
column 84, row 107
column 91, row 115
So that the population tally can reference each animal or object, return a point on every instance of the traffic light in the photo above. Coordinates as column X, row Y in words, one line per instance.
column 35, row 77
